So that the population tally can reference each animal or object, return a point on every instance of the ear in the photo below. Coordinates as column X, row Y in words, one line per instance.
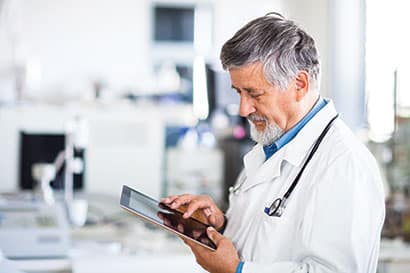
column 302, row 84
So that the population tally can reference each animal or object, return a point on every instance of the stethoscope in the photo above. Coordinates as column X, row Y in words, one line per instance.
column 278, row 206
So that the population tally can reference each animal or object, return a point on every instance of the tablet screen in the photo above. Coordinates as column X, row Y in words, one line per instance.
column 160, row 214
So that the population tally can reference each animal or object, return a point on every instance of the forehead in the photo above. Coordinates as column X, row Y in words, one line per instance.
column 248, row 76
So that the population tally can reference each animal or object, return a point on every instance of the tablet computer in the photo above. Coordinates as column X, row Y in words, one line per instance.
column 163, row 216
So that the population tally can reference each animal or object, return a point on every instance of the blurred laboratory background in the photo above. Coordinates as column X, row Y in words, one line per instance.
column 97, row 94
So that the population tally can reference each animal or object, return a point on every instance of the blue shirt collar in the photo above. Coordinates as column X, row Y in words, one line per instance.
column 291, row 133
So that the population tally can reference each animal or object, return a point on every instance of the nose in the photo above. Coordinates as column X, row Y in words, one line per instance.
column 246, row 106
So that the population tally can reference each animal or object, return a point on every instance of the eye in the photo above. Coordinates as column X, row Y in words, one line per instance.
column 256, row 95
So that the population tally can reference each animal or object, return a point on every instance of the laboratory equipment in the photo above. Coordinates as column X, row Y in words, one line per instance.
column 7, row 266
column 43, row 147
column 44, row 173
column 30, row 229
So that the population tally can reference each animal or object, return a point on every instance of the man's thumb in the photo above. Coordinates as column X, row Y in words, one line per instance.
column 214, row 235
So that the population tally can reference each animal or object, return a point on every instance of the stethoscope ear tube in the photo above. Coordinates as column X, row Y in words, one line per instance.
column 241, row 180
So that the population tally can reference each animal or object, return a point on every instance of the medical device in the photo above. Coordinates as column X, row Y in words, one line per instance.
column 30, row 229
column 278, row 205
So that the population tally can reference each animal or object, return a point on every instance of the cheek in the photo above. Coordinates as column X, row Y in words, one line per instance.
column 274, row 111
column 268, row 111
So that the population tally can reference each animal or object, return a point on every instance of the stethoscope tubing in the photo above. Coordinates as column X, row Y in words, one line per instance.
column 312, row 152
column 278, row 205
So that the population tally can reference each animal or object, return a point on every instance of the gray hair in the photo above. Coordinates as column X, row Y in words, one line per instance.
column 279, row 44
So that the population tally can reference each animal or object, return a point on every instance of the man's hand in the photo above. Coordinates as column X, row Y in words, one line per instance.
column 197, row 203
column 224, row 260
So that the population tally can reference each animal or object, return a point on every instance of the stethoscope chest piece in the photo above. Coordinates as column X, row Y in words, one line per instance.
column 276, row 208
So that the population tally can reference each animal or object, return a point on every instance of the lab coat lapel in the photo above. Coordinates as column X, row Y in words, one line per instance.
column 253, row 160
column 257, row 170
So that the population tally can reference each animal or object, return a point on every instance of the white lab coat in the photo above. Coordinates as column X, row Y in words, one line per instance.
column 333, row 218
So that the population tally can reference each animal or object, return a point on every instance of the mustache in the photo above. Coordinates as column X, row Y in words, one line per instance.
column 255, row 117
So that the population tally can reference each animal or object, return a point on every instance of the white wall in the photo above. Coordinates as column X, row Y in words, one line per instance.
column 230, row 15
column 69, row 43
column 74, row 41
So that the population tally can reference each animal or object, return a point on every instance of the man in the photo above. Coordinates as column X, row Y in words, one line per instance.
column 331, row 207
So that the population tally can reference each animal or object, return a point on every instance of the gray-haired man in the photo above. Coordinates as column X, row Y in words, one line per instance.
column 310, row 197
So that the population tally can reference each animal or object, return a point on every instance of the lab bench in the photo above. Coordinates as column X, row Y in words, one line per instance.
column 112, row 239
column 132, row 248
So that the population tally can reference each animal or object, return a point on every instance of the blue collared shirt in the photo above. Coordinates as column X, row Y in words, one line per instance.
column 289, row 135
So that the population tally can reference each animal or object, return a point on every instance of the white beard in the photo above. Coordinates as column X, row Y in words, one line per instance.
column 271, row 133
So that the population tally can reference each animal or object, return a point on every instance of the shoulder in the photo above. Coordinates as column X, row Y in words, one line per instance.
column 343, row 147
column 346, row 164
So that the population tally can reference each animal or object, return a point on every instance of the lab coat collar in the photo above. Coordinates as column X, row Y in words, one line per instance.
column 260, row 171
column 296, row 151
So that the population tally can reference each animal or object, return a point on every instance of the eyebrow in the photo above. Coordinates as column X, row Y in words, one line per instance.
column 247, row 89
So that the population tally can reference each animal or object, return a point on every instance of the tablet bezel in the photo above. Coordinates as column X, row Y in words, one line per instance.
column 134, row 211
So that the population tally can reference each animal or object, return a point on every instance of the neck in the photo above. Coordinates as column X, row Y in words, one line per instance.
column 302, row 109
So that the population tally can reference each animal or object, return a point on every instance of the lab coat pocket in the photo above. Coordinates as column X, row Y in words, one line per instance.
column 274, row 223
column 269, row 236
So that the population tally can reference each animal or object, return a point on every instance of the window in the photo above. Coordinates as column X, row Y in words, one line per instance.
column 387, row 66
